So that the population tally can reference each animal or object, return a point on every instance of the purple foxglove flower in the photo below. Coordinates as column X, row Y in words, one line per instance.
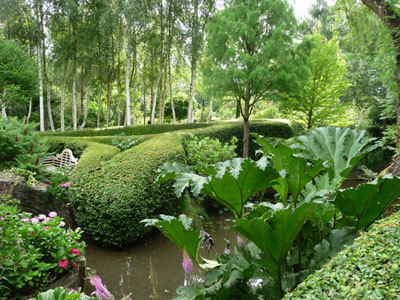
column 187, row 263
column 101, row 291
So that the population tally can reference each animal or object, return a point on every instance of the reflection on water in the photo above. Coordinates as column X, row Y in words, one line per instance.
column 128, row 270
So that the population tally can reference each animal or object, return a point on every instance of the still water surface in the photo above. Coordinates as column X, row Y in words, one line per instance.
column 128, row 270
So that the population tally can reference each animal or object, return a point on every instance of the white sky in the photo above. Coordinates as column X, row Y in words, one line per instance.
column 302, row 7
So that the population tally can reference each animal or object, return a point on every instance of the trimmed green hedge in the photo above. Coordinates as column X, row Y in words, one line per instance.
column 368, row 269
column 225, row 131
column 113, row 197
column 129, row 130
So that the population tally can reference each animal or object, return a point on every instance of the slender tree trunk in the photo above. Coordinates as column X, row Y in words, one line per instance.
column 48, row 89
column 246, row 124
column 74, row 111
column 85, row 113
column 100, row 95
column 210, row 109
column 160, row 102
column 41, row 107
column 108, row 99
column 144, row 106
column 128, row 97
column 164, row 96
column 134, row 78
column 119, row 90
column 190, row 118
column 29, row 110
column 82, row 89
column 3, row 102
column 153, row 111
column 170, row 92
column 64, row 83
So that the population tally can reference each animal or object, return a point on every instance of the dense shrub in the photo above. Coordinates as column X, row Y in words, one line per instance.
column 225, row 131
column 34, row 251
column 368, row 269
column 123, row 142
column 131, row 130
column 20, row 145
column 112, row 197
column 205, row 151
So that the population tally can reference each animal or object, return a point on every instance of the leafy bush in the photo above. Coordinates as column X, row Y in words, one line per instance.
column 205, row 151
column 59, row 185
column 368, row 269
column 112, row 197
column 34, row 251
column 225, row 131
column 76, row 148
column 124, row 143
column 20, row 145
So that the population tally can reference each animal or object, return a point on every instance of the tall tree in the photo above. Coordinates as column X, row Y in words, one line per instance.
column 389, row 12
column 251, row 44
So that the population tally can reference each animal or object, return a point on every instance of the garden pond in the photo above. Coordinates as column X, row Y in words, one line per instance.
column 128, row 270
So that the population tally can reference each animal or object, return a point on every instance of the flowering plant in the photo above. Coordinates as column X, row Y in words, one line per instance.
column 34, row 250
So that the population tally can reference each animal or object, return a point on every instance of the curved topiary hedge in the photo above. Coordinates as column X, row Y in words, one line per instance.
column 368, row 269
column 113, row 197
column 113, row 191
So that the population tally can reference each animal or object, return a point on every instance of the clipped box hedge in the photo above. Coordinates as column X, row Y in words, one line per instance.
column 368, row 269
column 129, row 130
column 112, row 197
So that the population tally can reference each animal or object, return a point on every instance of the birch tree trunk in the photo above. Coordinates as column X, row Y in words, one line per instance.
column 48, row 88
column 127, row 88
column 82, row 94
column 190, row 118
column 170, row 92
column 153, row 111
column 3, row 102
column 29, row 110
column 85, row 112
column 74, row 120
column 100, row 95
column 41, row 108
column 62, row 109
column 108, row 99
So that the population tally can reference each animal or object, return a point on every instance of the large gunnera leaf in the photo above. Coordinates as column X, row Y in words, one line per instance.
column 295, row 171
column 231, row 183
column 369, row 200
column 179, row 232
column 340, row 148
column 275, row 235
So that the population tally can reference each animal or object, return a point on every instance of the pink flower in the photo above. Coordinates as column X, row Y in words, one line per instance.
column 187, row 263
column 42, row 217
column 75, row 251
column 52, row 214
column 35, row 220
column 101, row 291
column 46, row 227
column 75, row 266
column 63, row 263
column 26, row 220
column 62, row 224
column 66, row 184
column 46, row 220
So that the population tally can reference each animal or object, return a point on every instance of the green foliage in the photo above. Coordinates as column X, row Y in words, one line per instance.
column 231, row 183
column 366, row 202
column 318, row 100
column 368, row 269
column 130, row 130
column 276, row 234
column 179, row 232
column 76, row 148
column 205, row 151
column 339, row 148
column 113, row 192
column 295, row 171
column 31, row 249
column 20, row 145
column 124, row 143
column 58, row 188
column 61, row 293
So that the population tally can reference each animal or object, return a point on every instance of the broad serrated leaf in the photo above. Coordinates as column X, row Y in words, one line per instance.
column 369, row 200
column 341, row 148
column 179, row 232
column 297, row 172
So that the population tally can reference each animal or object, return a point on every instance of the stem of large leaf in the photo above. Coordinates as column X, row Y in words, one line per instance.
column 280, row 279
